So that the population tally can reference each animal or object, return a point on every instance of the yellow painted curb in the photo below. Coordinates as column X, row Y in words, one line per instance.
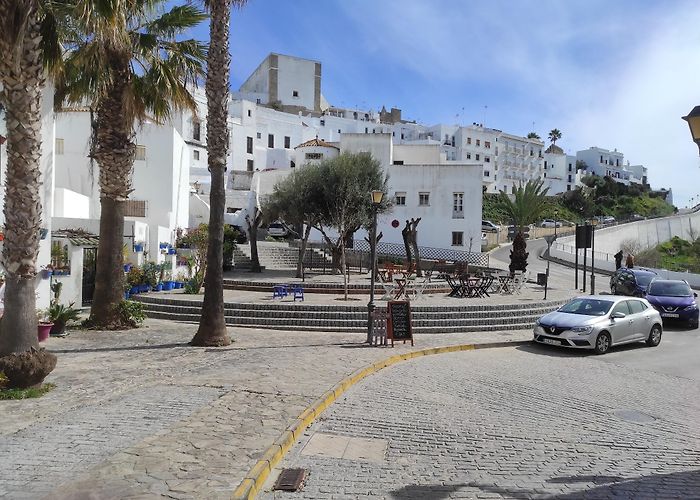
column 254, row 480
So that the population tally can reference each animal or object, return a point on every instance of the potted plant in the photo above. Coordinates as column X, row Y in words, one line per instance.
column 138, row 246
column 59, row 315
column 180, row 279
column 134, row 278
column 168, row 284
column 44, row 324
column 151, row 275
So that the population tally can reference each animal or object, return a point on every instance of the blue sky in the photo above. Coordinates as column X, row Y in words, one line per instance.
column 609, row 74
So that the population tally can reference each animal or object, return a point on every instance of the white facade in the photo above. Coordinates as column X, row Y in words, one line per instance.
column 603, row 162
column 560, row 174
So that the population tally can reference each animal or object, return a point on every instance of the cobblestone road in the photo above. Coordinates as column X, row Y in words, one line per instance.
column 518, row 422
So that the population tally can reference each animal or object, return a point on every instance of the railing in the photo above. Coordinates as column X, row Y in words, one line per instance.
column 396, row 250
column 561, row 247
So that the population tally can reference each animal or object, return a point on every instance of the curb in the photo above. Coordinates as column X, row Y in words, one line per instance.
column 253, row 482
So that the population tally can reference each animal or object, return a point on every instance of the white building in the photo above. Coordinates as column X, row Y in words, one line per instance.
column 603, row 162
column 560, row 172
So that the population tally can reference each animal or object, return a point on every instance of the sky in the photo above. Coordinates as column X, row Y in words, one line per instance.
column 613, row 74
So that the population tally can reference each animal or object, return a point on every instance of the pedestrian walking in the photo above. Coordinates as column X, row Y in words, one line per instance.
column 618, row 260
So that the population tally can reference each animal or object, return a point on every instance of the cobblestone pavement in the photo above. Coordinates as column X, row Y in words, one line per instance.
column 139, row 414
column 523, row 422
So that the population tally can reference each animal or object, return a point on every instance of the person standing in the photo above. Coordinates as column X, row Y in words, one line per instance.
column 630, row 261
column 618, row 260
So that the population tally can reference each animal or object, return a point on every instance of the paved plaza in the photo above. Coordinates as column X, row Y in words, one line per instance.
column 525, row 422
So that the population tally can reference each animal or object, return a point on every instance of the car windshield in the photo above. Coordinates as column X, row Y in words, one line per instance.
column 644, row 279
column 670, row 289
column 587, row 307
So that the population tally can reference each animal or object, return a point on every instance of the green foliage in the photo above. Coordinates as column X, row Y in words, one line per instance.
column 131, row 312
column 152, row 273
column 675, row 255
column 534, row 135
column 230, row 235
column 31, row 392
column 528, row 204
column 62, row 313
column 135, row 276
column 554, row 135
column 192, row 286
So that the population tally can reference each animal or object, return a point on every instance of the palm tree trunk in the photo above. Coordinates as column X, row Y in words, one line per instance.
column 22, row 77
column 212, row 325
column 114, row 152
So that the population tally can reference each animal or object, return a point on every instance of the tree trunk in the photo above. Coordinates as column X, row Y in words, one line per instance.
column 212, row 325
column 413, row 237
column 302, row 251
column 406, row 234
column 114, row 153
column 22, row 77
column 344, row 268
column 253, row 225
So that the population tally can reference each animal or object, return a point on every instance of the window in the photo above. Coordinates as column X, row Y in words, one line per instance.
column 59, row 146
column 313, row 156
column 287, row 141
column 366, row 130
column 487, row 159
column 423, row 199
column 545, row 164
column 569, row 178
column 292, row 164
column 257, row 101
column 270, row 141
column 477, row 157
column 249, row 145
column 400, row 198
column 487, row 144
column 323, row 123
column 258, row 135
column 570, row 167
column 141, row 153
column 469, row 156
column 398, row 162
column 621, row 307
column 295, row 93
column 457, row 238
column 195, row 153
column 401, row 136
column 250, row 165
column 568, row 187
column 478, row 142
column 250, row 113
column 196, row 130
column 601, row 158
column 636, row 306
column 135, row 208
column 487, row 173
column 532, row 153
column 458, row 205
column 469, row 140
column 339, row 131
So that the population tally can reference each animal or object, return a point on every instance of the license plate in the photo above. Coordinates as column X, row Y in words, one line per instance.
column 669, row 315
column 551, row 341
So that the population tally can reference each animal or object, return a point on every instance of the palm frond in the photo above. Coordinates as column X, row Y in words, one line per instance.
column 176, row 21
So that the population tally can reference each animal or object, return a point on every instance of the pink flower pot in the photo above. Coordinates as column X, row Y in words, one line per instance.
column 44, row 329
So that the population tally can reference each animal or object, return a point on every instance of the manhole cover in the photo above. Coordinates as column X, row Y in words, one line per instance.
column 634, row 416
column 290, row 479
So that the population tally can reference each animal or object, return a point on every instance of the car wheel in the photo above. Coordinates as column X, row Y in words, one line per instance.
column 602, row 343
column 654, row 338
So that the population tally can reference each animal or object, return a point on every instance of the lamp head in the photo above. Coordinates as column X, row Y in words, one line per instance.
column 693, row 119
column 377, row 197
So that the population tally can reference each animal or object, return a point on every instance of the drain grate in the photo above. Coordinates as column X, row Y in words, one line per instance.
column 290, row 480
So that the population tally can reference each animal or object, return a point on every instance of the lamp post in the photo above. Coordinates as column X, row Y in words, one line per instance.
column 556, row 221
column 376, row 202
column 693, row 119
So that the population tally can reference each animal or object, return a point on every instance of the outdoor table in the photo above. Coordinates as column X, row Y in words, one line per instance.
column 506, row 284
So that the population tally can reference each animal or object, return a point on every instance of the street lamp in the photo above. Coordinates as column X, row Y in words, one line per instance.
column 376, row 202
column 556, row 217
column 693, row 119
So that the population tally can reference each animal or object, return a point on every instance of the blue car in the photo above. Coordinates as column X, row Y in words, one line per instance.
column 631, row 281
column 674, row 300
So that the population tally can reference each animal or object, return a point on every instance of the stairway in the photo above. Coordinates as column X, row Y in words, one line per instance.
column 278, row 255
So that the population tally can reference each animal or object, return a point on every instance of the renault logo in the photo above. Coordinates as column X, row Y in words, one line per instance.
column 552, row 329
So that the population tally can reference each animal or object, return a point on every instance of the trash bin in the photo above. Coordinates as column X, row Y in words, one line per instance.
column 542, row 279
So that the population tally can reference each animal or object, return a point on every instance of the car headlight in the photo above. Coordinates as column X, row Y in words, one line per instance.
column 537, row 323
column 691, row 307
column 582, row 330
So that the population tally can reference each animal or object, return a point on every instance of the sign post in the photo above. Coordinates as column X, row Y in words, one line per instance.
column 399, row 322
column 549, row 239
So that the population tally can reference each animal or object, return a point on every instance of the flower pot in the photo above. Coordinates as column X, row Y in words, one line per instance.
column 158, row 287
column 138, row 248
column 172, row 251
column 134, row 290
column 127, row 268
column 44, row 329
column 163, row 246
column 127, row 294
column 168, row 285
column 143, row 288
column 58, row 329
column 45, row 274
column 178, row 284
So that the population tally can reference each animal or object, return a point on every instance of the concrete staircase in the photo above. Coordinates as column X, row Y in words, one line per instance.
column 274, row 255
column 344, row 318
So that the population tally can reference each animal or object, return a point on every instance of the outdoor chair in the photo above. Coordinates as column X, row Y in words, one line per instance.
column 279, row 291
column 389, row 287
column 415, row 289
column 298, row 292
column 455, row 285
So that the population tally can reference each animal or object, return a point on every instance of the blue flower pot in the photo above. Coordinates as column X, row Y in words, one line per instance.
column 127, row 294
column 138, row 248
column 143, row 288
column 134, row 290
column 168, row 285
column 158, row 287
column 127, row 268
column 179, row 284
column 172, row 251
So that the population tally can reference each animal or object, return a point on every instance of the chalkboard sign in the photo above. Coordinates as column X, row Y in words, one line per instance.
column 399, row 325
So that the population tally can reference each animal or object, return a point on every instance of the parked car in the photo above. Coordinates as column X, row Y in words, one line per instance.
column 674, row 300
column 489, row 227
column 599, row 322
column 632, row 281
column 278, row 229
column 550, row 223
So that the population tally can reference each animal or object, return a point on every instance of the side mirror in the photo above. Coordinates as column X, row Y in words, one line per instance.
column 618, row 315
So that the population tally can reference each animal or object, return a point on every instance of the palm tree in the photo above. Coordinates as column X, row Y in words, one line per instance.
column 126, row 60
column 528, row 204
column 212, row 326
column 534, row 135
column 22, row 78
column 554, row 135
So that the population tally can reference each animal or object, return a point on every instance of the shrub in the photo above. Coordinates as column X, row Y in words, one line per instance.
column 131, row 312
column 192, row 286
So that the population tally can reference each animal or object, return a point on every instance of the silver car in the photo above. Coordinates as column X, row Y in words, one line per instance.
column 600, row 321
